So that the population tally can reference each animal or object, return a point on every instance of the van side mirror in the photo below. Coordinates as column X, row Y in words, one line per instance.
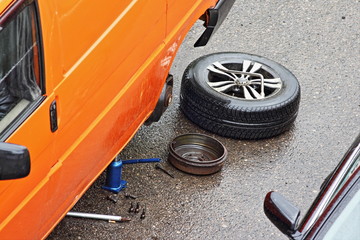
column 282, row 213
column 14, row 161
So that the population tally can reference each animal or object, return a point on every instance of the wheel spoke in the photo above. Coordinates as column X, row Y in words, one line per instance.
column 255, row 93
column 215, row 70
column 246, row 65
column 247, row 93
column 222, row 67
column 255, row 67
column 269, row 85
column 224, row 88
column 272, row 85
column 267, row 80
column 218, row 84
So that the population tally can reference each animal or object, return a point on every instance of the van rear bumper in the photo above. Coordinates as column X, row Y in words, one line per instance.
column 214, row 18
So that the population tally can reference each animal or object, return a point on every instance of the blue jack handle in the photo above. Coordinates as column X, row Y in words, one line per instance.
column 141, row 160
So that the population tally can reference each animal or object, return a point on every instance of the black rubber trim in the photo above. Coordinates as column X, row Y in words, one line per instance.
column 13, row 10
column 41, row 50
column 215, row 17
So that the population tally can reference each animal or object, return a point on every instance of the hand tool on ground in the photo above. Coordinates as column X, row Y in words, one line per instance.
column 98, row 216
column 158, row 166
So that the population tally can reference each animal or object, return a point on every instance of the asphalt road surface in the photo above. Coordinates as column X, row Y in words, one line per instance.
column 319, row 41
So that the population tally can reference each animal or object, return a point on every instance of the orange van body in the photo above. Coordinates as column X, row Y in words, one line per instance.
column 104, row 64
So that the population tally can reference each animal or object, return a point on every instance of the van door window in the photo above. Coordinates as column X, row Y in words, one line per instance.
column 20, row 75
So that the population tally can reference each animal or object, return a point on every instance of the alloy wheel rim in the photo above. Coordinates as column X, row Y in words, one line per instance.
column 248, row 80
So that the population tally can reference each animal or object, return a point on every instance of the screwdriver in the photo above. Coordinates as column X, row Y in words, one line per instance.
column 98, row 216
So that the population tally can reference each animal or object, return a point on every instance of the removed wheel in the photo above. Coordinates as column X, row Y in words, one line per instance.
column 240, row 95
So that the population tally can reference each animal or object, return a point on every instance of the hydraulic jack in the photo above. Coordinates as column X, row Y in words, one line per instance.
column 114, row 182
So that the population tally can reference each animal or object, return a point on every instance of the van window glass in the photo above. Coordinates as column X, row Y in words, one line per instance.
column 19, row 65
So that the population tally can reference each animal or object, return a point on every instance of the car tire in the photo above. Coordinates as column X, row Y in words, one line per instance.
column 239, row 95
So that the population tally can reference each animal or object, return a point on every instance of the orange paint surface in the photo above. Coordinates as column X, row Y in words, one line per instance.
column 105, row 63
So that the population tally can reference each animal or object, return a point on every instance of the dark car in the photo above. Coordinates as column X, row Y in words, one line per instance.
column 335, row 213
